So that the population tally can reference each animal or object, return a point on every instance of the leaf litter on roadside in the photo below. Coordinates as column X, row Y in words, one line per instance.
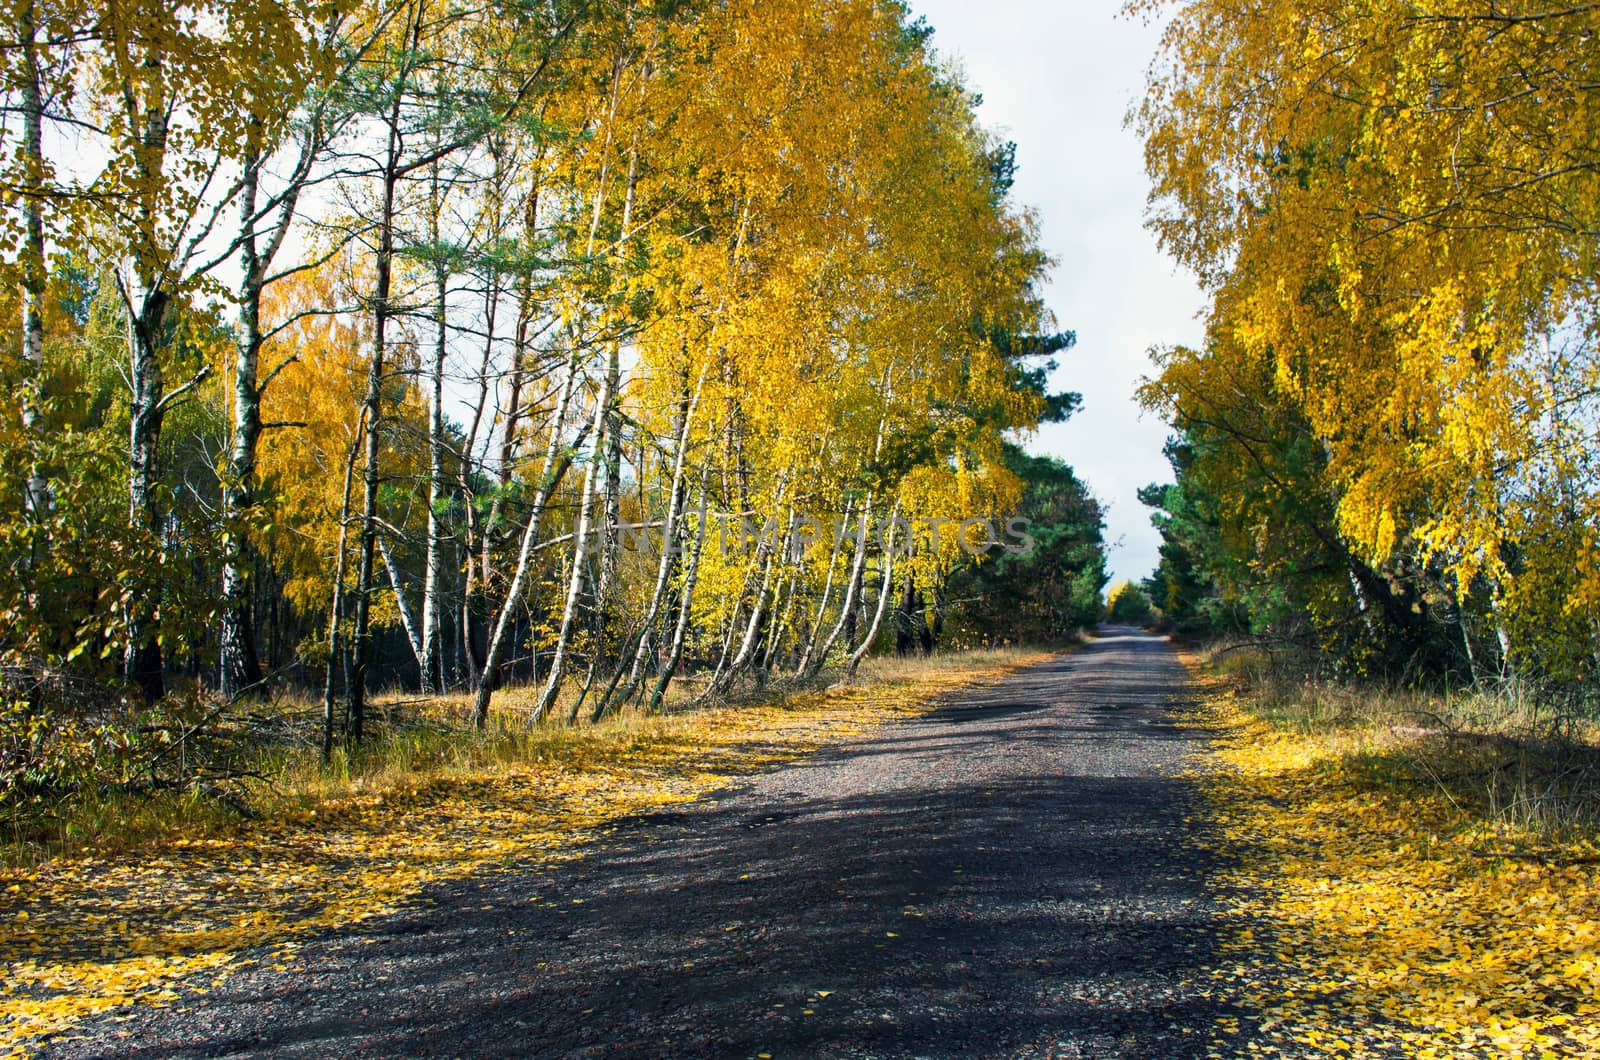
column 83, row 936
column 1362, row 926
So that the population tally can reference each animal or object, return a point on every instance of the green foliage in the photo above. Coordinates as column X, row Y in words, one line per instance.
column 71, row 567
column 1127, row 605
column 1045, row 586
column 1181, row 588
column 1250, row 536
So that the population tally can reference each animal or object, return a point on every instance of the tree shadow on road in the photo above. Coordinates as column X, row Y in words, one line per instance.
column 1049, row 918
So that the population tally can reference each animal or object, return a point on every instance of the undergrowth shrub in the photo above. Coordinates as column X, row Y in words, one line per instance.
column 67, row 743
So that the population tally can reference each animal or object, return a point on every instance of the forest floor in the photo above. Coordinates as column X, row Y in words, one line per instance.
column 1404, row 874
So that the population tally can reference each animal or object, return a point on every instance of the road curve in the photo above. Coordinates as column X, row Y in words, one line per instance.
column 1008, row 876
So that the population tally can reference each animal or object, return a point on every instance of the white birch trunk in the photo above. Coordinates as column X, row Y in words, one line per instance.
column 669, row 666
column 551, row 471
column 580, row 545
column 884, row 593
column 407, row 624
column 852, row 592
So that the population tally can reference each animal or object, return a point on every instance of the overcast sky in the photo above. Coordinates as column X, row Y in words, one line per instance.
column 1057, row 76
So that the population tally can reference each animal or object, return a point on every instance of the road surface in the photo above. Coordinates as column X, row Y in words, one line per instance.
column 1009, row 876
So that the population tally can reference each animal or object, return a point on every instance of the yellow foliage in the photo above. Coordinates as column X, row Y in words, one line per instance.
column 317, row 368
column 1394, row 206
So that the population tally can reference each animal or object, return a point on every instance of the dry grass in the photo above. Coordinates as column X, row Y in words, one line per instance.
column 412, row 743
column 1520, row 770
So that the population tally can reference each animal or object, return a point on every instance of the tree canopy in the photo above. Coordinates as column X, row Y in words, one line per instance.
column 580, row 345
column 1394, row 208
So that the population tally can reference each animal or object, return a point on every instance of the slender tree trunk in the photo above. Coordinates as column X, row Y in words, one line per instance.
column 475, row 594
column 554, row 467
column 31, row 149
column 430, row 661
column 433, row 571
column 521, row 346
column 491, row 533
column 147, row 302
column 669, row 666
column 803, row 667
column 580, row 546
column 239, row 667
column 552, row 684
column 1464, row 632
column 936, row 625
column 611, row 517
column 407, row 623
column 669, row 537
column 611, row 520
column 778, row 624
column 884, row 593
column 336, row 603
column 726, row 674
column 142, row 661
column 905, row 625
column 643, row 643
column 611, row 490
column 845, row 627
column 1502, row 639
column 471, row 531
column 372, row 407
column 505, row 466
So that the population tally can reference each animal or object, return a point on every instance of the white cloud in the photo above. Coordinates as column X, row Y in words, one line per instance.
column 1058, row 77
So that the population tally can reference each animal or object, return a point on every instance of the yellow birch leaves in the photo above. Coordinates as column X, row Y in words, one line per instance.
column 1397, row 206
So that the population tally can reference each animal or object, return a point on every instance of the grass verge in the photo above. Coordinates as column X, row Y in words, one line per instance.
column 139, row 920
column 1407, row 876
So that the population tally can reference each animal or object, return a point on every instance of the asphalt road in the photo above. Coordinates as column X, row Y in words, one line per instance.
column 1009, row 876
